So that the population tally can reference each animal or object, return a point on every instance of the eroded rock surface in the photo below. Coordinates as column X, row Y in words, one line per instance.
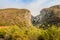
column 48, row 17
column 12, row 16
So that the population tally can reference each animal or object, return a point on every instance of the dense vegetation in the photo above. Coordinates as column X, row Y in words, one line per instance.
column 31, row 33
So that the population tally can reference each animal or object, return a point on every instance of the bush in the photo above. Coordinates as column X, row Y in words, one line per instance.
column 51, row 33
column 12, row 33
column 30, row 33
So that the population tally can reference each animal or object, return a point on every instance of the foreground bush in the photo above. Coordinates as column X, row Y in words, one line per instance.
column 51, row 33
column 12, row 33
column 30, row 33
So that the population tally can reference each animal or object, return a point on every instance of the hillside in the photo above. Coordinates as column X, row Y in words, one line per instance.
column 15, row 24
column 48, row 17
column 13, row 16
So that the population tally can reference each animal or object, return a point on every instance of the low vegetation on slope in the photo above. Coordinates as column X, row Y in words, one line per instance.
column 31, row 33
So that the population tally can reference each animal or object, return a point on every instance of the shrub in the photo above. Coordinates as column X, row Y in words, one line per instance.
column 30, row 33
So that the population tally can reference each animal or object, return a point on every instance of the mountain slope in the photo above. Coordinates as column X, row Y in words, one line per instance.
column 12, row 16
column 48, row 17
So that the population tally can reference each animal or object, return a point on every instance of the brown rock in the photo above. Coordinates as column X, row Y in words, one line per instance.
column 11, row 16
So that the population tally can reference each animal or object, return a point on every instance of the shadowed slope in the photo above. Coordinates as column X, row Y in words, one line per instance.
column 48, row 17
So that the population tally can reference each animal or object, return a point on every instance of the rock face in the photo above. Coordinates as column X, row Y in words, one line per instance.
column 51, row 15
column 12, row 16
column 36, row 20
column 48, row 17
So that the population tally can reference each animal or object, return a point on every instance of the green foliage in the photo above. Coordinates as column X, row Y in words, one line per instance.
column 51, row 33
column 29, row 33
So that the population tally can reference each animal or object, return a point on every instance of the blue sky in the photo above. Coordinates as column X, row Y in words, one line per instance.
column 33, row 5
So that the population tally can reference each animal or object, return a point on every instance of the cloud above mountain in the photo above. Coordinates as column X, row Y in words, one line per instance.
column 33, row 5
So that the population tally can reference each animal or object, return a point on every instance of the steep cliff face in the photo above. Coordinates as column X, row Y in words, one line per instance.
column 11, row 16
column 48, row 17
column 51, row 15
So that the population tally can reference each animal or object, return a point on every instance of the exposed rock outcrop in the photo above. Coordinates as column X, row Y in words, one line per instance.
column 36, row 20
column 48, row 17
column 51, row 15
column 12, row 16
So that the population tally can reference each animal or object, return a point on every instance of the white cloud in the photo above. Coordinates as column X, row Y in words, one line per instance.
column 34, row 6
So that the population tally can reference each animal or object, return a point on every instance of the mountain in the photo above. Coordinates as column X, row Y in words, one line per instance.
column 48, row 17
column 13, row 16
